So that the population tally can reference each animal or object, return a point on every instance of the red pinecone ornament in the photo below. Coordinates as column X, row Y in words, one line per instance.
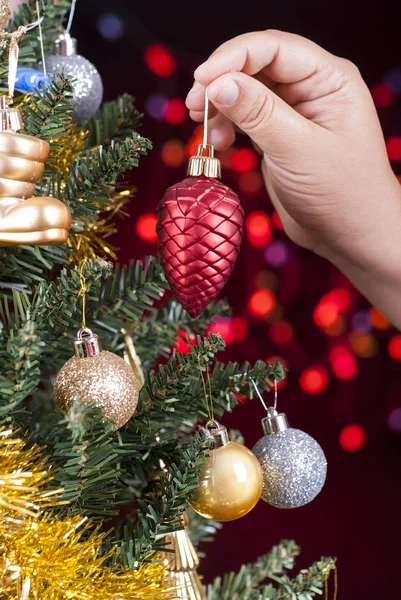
column 200, row 230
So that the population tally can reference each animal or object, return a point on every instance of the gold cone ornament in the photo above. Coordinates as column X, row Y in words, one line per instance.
column 24, row 219
column 182, row 564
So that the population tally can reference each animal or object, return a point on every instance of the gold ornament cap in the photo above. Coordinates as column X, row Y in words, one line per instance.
column 10, row 118
column 210, row 166
column 65, row 45
column 87, row 343
column 217, row 432
column 274, row 422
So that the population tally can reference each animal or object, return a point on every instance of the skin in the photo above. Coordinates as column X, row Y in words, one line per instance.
column 324, row 157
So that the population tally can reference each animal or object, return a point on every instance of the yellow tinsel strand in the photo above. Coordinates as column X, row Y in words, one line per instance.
column 42, row 556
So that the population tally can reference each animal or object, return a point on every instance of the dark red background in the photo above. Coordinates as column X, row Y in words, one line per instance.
column 357, row 516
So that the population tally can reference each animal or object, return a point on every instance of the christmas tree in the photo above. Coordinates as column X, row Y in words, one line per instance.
column 90, row 510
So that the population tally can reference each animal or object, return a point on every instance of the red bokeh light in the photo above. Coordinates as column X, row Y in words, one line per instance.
column 343, row 363
column 146, row 227
column 281, row 333
column 325, row 314
column 314, row 380
column 276, row 221
column 192, row 147
column 394, row 148
column 239, row 328
column 382, row 95
column 258, row 229
column 173, row 153
column 261, row 303
column 352, row 438
column 184, row 346
column 394, row 347
column 340, row 297
column 175, row 111
column 159, row 60
column 244, row 160
column 223, row 326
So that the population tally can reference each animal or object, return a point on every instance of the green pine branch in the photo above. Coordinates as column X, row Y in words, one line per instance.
column 176, row 389
column 93, row 176
column 114, row 121
column 250, row 581
column 20, row 351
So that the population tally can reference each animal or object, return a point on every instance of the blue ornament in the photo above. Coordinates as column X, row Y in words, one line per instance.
column 30, row 79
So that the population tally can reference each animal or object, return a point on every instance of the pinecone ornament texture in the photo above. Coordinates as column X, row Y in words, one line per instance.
column 200, row 229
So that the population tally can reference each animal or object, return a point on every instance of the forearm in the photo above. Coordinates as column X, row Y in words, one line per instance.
column 376, row 272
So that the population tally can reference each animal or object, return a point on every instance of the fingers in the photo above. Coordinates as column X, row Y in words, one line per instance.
column 221, row 132
column 283, row 57
column 256, row 110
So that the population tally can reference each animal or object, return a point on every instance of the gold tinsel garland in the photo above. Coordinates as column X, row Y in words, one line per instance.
column 42, row 556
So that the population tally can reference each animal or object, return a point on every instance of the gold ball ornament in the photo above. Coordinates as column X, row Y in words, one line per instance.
column 98, row 377
column 25, row 219
column 230, row 482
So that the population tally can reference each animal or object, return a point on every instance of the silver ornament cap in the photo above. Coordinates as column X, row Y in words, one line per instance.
column 293, row 464
column 274, row 422
column 65, row 45
column 87, row 343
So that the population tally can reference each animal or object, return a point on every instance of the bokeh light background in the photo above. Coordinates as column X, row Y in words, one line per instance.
column 344, row 357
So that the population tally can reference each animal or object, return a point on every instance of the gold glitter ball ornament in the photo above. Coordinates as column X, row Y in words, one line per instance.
column 98, row 377
column 230, row 482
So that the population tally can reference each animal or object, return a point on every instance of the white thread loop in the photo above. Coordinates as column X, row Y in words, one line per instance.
column 205, row 122
column 71, row 17
column 42, row 48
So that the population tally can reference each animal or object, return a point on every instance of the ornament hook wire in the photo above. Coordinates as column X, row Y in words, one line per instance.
column 208, row 396
column 259, row 395
column 42, row 47
column 205, row 120
column 82, row 292
column 326, row 582
column 71, row 17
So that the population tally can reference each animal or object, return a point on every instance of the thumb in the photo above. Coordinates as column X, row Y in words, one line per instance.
column 271, row 123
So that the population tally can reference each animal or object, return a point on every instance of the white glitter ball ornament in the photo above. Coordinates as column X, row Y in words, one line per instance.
column 87, row 84
column 98, row 377
column 293, row 464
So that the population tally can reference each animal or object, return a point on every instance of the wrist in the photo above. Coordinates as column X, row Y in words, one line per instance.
column 374, row 247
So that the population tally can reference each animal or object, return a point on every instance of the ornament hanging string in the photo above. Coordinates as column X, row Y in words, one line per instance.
column 205, row 121
column 42, row 47
column 208, row 396
column 261, row 397
column 71, row 17
column 82, row 292
column 331, row 568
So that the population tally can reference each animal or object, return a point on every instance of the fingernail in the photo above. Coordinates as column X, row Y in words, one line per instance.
column 224, row 92
column 196, row 86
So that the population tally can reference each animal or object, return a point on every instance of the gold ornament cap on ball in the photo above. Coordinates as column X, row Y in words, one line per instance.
column 97, row 377
column 230, row 483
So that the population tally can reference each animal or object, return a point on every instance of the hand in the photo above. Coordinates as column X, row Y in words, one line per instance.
column 324, row 158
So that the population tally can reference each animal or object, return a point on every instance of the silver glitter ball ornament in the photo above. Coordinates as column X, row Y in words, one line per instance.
column 99, row 377
column 87, row 84
column 293, row 464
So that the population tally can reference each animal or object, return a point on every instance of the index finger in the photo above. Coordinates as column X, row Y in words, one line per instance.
column 283, row 57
